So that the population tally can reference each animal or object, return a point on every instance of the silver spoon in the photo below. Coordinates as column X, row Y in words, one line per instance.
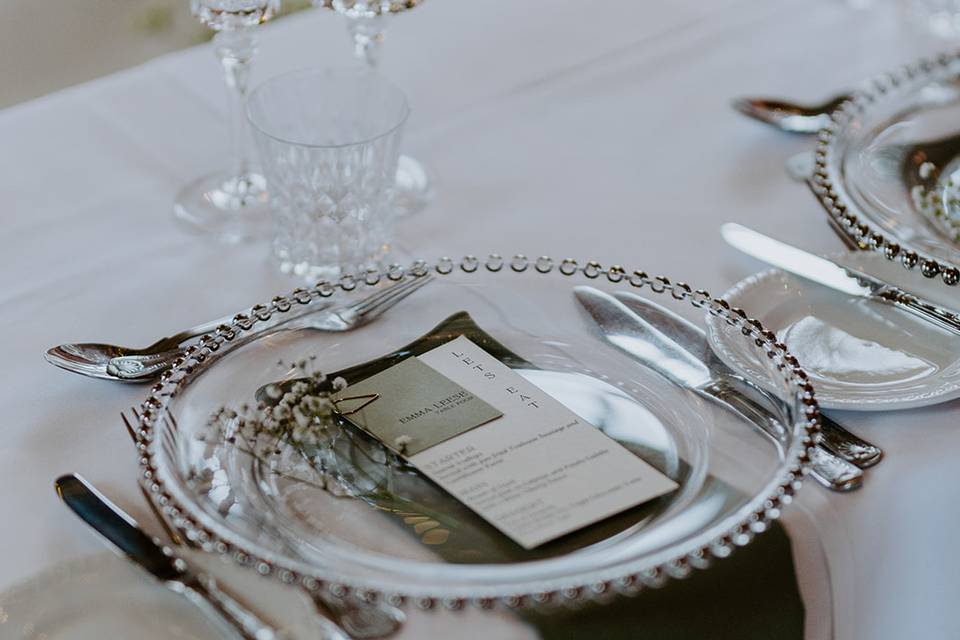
column 125, row 364
column 788, row 116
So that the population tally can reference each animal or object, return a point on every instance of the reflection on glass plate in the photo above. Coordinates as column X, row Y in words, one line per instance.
column 346, row 515
column 860, row 354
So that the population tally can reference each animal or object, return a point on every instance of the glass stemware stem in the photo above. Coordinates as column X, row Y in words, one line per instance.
column 368, row 35
column 366, row 25
column 235, row 48
column 230, row 204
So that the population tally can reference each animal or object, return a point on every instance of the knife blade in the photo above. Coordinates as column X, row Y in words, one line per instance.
column 689, row 336
column 124, row 535
column 116, row 527
column 659, row 352
column 839, row 278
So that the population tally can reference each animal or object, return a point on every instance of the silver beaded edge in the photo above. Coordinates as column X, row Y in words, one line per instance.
column 827, row 186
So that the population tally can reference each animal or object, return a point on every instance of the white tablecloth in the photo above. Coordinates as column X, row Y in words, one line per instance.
column 599, row 130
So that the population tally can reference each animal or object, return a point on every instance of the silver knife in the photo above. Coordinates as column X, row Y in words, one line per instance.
column 641, row 340
column 830, row 274
column 693, row 339
column 123, row 534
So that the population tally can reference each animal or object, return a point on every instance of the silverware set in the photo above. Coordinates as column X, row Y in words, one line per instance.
column 678, row 350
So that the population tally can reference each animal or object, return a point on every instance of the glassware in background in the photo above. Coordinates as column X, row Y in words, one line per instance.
column 230, row 204
column 939, row 18
column 329, row 141
column 367, row 22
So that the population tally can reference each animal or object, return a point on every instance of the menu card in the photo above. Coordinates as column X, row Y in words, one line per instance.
column 513, row 454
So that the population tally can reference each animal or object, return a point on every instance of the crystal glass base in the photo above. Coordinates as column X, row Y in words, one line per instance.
column 414, row 189
column 231, row 208
column 331, row 272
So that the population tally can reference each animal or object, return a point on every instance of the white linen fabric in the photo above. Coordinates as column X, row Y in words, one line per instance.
column 596, row 130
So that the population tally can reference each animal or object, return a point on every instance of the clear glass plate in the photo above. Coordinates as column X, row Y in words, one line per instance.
column 888, row 166
column 352, row 518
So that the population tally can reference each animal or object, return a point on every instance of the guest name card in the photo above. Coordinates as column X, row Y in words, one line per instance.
column 513, row 454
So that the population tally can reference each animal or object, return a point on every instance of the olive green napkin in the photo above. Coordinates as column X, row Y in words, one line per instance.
column 752, row 595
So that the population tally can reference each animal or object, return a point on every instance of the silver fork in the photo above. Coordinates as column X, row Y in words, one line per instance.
column 124, row 364
column 362, row 622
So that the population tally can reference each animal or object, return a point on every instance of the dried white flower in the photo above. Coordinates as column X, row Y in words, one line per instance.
column 402, row 442
column 273, row 391
column 296, row 415
column 300, row 388
column 303, row 421
column 315, row 405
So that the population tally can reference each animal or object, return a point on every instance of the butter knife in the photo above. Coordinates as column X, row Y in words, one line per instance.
column 125, row 537
column 692, row 338
column 641, row 340
column 839, row 278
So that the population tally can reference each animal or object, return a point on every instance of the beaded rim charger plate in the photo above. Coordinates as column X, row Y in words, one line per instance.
column 335, row 510
column 887, row 167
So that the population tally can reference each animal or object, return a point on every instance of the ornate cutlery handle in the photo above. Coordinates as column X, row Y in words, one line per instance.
column 847, row 445
column 833, row 436
column 922, row 309
column 826, row 467
column 833, row 471
column 233, row 616
column 203, row 592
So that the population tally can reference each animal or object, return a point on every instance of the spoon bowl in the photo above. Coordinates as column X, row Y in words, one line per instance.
column 89, row 358
column 788, row 116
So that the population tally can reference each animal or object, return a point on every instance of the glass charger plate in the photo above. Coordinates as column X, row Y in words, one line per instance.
column 888, row 167
column 350, row 518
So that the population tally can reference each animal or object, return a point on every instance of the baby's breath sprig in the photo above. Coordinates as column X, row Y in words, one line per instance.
column 295, row 430
column 300, row 416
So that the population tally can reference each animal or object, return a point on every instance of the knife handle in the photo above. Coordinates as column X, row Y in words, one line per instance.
column 920, row 308
column 826, row 467
column 834, row 437
column 834, row 472
column 847, row 445
column 229, row 613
